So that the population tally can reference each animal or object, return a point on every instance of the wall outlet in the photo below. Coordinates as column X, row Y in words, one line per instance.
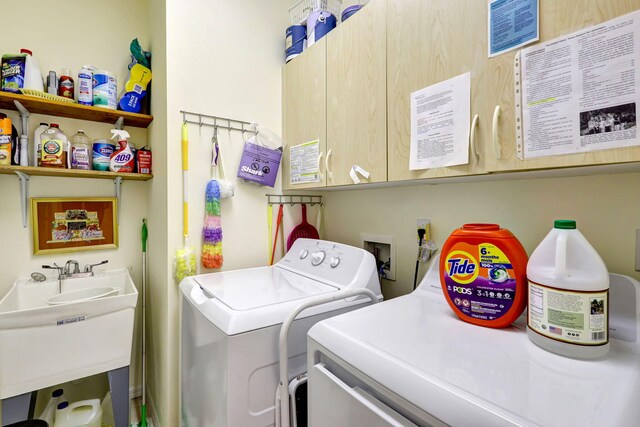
column 384, row 249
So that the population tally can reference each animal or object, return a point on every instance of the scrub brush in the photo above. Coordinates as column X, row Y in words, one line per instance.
column 212, row 231
column 185, row 259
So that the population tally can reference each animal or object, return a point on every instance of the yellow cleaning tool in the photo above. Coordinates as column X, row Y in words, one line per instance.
column 185, row 258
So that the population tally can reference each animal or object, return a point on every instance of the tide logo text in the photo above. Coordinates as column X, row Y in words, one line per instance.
column 462, row 267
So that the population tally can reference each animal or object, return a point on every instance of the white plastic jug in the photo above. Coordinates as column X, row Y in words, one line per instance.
column 49, row 412
column 568, row 308
column 85, row 413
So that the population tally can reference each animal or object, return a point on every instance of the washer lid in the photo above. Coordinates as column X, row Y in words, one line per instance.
column 254, row 288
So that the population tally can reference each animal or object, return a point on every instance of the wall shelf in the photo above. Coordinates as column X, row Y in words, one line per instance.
column 73, row 173
column 73, row 110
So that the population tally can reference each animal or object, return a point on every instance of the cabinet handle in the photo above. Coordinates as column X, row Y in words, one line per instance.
column 494, row 131
column 320, row 156
column 326, row 164
column 472, row 137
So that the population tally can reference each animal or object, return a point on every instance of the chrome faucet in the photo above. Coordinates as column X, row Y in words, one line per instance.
column 67, row 267
column 71, row 269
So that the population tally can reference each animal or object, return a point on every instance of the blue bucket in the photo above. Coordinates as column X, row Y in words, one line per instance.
column 351, row 10
column 295, row 42
column 318, row 25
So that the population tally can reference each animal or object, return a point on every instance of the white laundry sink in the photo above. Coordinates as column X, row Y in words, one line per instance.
column 48, row 337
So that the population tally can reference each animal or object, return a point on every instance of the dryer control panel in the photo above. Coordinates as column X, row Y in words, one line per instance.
column 335, row 262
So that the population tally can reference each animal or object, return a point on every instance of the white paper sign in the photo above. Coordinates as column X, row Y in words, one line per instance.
column 580, row 92
column 304, row 162
column 440, row 124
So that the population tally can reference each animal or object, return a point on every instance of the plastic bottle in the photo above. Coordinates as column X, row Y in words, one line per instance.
column 14, row 156
column 122, row 159
column 86, row 413
column 37, row 145
column 102, row 151
column 55, row 148
column 81, row 148
column 568, row 310
column 5, row 141
column 66, row 86
column 85, row 85
column 32, row 75
column 483, row 275
column 49, row 412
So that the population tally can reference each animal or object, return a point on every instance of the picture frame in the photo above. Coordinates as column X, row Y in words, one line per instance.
column 74, row 224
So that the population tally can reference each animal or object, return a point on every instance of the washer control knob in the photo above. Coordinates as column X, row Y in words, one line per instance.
column 333, row 262
column 304, row 253
column 317, row 258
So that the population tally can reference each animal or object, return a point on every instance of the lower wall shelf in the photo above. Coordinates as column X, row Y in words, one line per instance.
column 73, row 173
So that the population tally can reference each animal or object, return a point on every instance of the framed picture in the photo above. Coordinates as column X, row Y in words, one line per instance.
column 74, row 224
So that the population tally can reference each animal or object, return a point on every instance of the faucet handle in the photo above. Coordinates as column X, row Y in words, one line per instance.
column 54, row 267
column 89, row 267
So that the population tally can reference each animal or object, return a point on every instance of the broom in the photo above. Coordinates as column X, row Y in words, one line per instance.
column 185, row 257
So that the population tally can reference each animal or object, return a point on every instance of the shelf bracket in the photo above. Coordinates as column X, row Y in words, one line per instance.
column 24, row 196
column 119, row 123
column 117, row 183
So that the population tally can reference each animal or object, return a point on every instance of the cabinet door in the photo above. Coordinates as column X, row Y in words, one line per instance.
column 557, row 18
column 356, row 95
column 429, row 42
column 304, row 115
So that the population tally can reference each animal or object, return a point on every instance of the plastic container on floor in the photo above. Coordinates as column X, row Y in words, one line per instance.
column 49, row 412
column 85, row 413
column 568, row 309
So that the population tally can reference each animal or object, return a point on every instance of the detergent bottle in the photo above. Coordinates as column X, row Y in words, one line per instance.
column 122, row 159
column 483, row 275
column 568, row 309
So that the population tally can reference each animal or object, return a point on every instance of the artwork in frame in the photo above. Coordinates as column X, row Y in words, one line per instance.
column 74, row 224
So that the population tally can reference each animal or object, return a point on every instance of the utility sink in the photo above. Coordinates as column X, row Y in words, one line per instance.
column 48, row 337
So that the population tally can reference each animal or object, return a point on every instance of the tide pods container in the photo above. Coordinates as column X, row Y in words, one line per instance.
column 483, row 273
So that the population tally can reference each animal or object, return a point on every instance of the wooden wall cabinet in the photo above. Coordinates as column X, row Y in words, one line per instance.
column 429, row 42
column 304, row 113
column 557, row 18
column 357, row 96
column 336, row 92
column 360, row 103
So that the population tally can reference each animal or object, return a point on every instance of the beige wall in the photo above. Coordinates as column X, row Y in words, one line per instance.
column 78, row 40
column 606, row 208
column 222, row 58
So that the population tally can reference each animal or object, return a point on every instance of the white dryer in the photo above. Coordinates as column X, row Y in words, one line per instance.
column 410, row 361
column 231, row 323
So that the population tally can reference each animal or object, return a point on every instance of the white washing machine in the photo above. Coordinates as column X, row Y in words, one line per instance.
column 410, row 361
column 231, row 323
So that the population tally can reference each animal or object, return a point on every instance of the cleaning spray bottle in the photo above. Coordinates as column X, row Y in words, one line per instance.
column 122, row 159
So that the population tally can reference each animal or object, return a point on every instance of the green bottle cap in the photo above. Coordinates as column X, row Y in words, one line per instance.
column 564, row 224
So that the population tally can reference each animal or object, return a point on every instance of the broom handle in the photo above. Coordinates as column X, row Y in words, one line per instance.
column 185, row 187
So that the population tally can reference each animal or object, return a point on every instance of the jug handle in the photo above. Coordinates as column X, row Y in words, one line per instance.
column 561, row 254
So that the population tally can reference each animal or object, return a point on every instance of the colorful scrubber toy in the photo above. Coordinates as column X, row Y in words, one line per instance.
column 212, row 231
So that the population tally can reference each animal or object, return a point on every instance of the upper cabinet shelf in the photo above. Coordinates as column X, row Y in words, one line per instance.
column 73, row 111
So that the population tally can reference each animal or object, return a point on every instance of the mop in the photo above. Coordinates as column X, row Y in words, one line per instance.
column 143, row 407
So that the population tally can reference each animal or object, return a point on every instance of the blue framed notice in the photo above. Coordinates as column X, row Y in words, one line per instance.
column 512, row 24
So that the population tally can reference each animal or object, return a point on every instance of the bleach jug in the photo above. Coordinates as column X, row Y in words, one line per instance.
column 568, row 309
column 85, row 413
column 122, row 159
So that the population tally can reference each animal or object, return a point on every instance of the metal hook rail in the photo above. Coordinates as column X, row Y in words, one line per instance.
column 294, row 199
column 218, row 122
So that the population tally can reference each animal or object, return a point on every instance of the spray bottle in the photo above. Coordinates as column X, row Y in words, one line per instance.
column 122, row 159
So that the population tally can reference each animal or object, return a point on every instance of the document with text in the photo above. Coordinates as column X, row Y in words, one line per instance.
column 580, row 91
column 440, row 124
